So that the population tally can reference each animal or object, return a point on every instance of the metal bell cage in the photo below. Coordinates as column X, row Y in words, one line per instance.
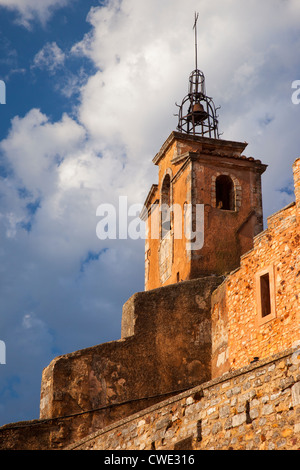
column 197, row 113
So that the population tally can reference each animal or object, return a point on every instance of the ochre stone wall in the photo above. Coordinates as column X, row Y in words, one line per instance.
column 165, row 258
column 165, row 348
column 253, row 408
column 192, row 165
column 239, row 332
column 228, row 234
column 296, row 170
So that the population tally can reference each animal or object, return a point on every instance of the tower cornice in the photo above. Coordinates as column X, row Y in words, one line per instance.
column 204, row 145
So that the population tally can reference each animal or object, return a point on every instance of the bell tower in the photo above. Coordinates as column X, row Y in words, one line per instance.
column 206, row 208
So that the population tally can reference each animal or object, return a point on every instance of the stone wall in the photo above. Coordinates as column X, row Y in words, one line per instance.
column 165, row 348
column 239, row 330
column 193, row 164
column 296, row 171
column 253, row 408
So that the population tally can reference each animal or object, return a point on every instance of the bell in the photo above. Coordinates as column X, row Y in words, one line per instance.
column 199, row 113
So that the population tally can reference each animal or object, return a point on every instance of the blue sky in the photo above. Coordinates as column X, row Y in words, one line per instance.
column 29, row 86
column 90, row 98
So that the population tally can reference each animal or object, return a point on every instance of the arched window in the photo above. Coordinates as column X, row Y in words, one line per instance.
column 165, row 206
column 225, row 198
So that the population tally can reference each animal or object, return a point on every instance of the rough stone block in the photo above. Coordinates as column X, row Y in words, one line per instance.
column 296, row 394
column 239, row 419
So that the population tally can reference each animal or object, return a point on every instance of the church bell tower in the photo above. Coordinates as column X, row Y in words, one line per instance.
column 202, row 215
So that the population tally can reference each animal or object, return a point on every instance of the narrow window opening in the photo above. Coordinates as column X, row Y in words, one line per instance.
column 248, row 416
column 265, row 297
column 178, row 277
column 225, row 193
column 199, row 430
column 165, row 206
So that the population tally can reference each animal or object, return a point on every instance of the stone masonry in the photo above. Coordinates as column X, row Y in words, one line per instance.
column 239, row 332
column 165, row 348
column 254, row 408
column 188, row 169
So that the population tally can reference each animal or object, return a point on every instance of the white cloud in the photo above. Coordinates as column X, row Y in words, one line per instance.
column 71, row 84
column 50, row 57
column 35, row 147
column 29, row 10
column 144, row 54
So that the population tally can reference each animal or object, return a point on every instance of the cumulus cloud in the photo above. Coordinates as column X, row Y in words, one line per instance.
column 29, row 10
column 143, row 67
column 58, row 280
column 35, row 147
